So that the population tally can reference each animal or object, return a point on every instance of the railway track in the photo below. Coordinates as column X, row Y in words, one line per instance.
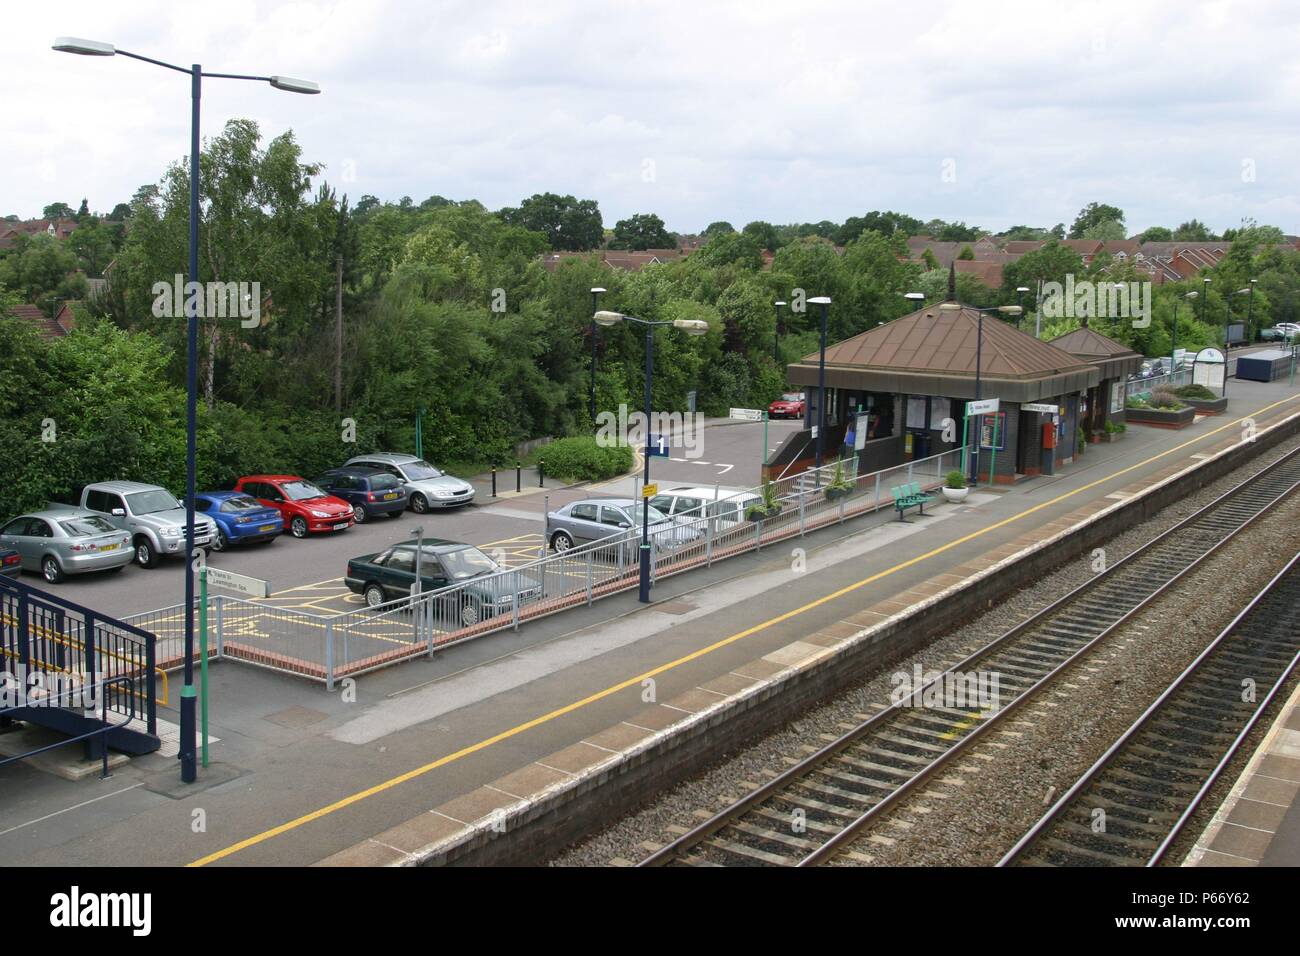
column 816, row 808
column 1132, row 804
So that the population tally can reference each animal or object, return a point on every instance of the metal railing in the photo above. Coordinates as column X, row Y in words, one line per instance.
column 331, row 647
column 104, row 698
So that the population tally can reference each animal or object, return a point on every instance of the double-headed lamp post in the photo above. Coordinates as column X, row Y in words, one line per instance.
column 1020, row 291
column 825, row 302
column 690, row 327
column 288, row 84
column 595, row 296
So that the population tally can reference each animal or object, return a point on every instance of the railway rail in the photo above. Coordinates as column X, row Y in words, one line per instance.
column 815, row 809
column 1129, row 808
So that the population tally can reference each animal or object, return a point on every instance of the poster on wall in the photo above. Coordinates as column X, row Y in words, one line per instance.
column 916, row 412
column 986, row 431
column 1117, row 396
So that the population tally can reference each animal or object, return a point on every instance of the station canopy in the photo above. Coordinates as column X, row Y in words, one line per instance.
column 1113, row 359
column 932, row 352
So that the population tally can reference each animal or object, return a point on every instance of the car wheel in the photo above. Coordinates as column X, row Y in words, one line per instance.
column 298, row 527
column 375, row 595
column 471, row 612
column 395, row 514
column 50, row 570
column 145, row 555
column 359, row 514
column 219, row 541
column 560, row 541
column 419, row 504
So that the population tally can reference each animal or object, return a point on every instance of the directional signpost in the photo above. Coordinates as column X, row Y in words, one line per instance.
column 985, row 407
column 241, row 584
column 657, row 446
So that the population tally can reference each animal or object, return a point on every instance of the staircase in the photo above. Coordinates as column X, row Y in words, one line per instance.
column 75, row 646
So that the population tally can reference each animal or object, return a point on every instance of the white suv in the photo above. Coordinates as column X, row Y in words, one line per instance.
column 686, row 504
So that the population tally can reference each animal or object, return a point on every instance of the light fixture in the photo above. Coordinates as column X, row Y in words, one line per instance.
column 608, row 318
column 691, row 326
column 292, row 85
column 950, row 307
column 84, row 47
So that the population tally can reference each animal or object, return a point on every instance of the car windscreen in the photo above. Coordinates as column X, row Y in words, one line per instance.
column 241, row 504
column 655, row 514
column 791, row 397
column 80, row 527
column 420, row 470
column 301, row 491
column 151, row 502
column 467, row 563
column 384, row 482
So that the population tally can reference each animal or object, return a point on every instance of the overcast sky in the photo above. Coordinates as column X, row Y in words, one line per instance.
column 993, row 113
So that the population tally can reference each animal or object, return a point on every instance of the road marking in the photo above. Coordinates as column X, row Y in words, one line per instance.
column 725, row 469
column 688, row 658
column 78, row 806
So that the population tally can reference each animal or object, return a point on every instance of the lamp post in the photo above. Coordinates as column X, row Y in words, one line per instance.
column 1227, row 325
column 595, row 295
column 979, row 358
column 776, row 342
column 196, row 74
column 690, row 327
column 1250, row 312
column 825, row 302
column 916, row 298
column 1173, row 344
column 1020, row 291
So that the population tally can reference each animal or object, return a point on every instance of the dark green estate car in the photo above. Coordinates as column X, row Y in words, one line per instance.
column 478, row 587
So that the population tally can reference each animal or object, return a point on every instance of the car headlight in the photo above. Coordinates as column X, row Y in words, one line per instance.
column 171, row 532
column 320, row 514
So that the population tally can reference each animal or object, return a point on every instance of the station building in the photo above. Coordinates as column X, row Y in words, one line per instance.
column 1114, row 362
column 906, row 383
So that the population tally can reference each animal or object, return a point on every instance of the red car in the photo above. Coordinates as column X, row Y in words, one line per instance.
column 789, row 405
column 303, row 506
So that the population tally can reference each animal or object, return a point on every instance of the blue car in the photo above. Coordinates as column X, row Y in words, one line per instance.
column 240, row 518
column 369, row 491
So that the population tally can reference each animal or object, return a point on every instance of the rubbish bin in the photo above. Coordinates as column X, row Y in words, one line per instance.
column 920, row 445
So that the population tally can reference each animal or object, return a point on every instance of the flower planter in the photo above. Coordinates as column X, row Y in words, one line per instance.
column 1160, row 418
column 754, row 516
column 835, row 494
column 955, row 494
column 1208, row 406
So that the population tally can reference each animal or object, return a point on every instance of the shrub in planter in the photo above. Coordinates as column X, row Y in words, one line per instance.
column 767, row 507
column 1195, row 391
column 1166, row 398
column 954, row 486
column 839, row 486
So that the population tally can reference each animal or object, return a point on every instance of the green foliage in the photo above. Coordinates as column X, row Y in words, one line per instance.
column 1195, row 391
column 642, row 231
column 582, row 459
column 566, row 222
column 954, row 479
column 967, row 254
column 1094, row 214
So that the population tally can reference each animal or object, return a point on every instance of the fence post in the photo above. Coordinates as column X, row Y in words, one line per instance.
column 877, row 491
column 515, row 602
column 801, row 515
column 909, row 472
column 428, row 611
column 758, row 531
column 329, row 654
column 589, row 559
column 842, row 501
column 494, row 481
column 221, row 617
column 708, row 539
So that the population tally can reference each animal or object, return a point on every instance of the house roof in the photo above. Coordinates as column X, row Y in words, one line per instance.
column 990, row 273
column 933, row 351
column 1112, row 359
column 43, row 324
column 1021, row 246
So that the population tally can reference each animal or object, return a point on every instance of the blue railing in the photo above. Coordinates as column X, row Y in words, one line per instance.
column 102, row 731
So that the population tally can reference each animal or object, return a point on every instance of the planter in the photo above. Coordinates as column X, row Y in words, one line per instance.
column 1208, row 406
column 1160, row 418
column 835, row 494
column 756, row 516
column 955, row 494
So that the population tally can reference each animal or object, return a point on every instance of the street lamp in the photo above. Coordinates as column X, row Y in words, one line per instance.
column 1173, row 345
column 196, row 74
column 1020, row 291
column 979, row 361
column 595, row 294
column 1250, row 314
column 776, row 345
column 918, row 298
column 825, row 302
column 690, row 327
column 1227, row 325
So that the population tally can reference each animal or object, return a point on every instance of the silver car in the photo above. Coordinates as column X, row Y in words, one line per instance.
column 429, row 487
column 63, row 542
column 598, row 518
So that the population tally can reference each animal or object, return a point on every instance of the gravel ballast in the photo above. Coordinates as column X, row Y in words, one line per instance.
column 976, row 832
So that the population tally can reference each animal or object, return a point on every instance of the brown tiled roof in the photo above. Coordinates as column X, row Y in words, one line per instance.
column 1089, row 342
column 1021, row 246
column 990, row 273
column 1084, row 247
column 935, row 341
column 43, row 323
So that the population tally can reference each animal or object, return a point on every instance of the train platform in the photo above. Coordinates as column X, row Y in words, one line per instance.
column 493, row 734
column 1258, row 823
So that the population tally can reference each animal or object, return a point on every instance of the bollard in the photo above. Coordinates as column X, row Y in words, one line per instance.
column 494, row 481
column 518, row 478
column 541, row 473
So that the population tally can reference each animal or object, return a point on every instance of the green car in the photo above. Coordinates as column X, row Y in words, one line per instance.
column 477, row 587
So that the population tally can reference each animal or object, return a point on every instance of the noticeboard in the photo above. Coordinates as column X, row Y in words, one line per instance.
column 987, row 423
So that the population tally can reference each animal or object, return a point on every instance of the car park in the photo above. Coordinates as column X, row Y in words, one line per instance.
column 789, row 405
column 304, row 508
column 481, row 590
column 240, row 518
column 154, row 519
column 64, row 541
column 429, row 487
column 370, row 491
column 727, row 505
column 595, row 519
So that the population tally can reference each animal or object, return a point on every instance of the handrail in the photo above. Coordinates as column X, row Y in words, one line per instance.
column 131, row 716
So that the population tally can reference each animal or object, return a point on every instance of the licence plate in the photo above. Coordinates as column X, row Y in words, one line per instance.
column 341, row 527
column 267, row 527
column 390, row 496
column 108, row 547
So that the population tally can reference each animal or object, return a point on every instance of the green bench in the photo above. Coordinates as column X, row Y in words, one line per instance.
column 909, row 496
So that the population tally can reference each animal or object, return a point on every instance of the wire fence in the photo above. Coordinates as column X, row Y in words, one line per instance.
column 332, row 647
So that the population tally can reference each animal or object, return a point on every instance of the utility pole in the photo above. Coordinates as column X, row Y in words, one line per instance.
column 338, row 336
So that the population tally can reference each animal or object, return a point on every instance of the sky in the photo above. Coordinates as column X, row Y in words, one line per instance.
column 995, row 114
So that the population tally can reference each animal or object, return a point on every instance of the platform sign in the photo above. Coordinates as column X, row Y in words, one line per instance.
column 1043, row 407
column 985, row 407
column 239, row 583
column 649, row 491
column 747, row 414
column 658, row 446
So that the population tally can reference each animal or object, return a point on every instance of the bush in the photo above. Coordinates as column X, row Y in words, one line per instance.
column 582, row 459
column 955, row 479
column 1166, row 399
column 1195, row 391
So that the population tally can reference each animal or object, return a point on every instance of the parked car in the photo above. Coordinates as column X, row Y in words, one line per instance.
column 597, row 518
column 1272, row 335
column 154, row 519
column 789, row 405
column 63, row 541
column 305, row 508
column 11, row 563
column 240, row 518
column 389, row 575
column 690, row 504
column 1288, row 329
column 369, row 491
column 428, row 487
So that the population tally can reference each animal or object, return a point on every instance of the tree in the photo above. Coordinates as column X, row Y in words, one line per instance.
column 764, row 233
column 1253, row 233
column 1156, row 234
column 42, row 270
column 121, row 211
column 569, row 224
column 885, row 223
column 1193, row 231
column 93, row 245
column 57, row 210
column 1025, row 234
column 957, row 232
column 1052, row 263
column 1094, row 214
column 967, row 254
column 721, row 226
column 83, row 211
column 1107, row 230
column 642, row 231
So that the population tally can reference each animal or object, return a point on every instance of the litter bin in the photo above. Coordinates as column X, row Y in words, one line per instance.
column 920, row 445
